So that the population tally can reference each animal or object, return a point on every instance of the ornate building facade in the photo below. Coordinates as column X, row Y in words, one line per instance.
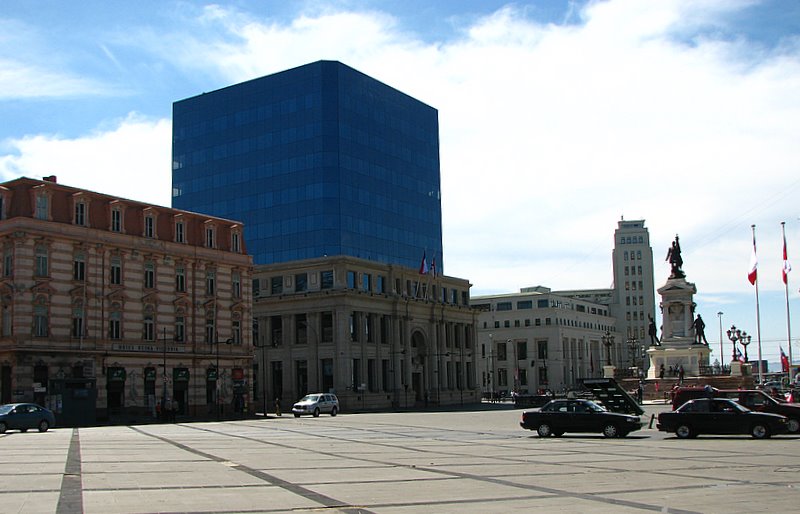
column 379, row 336
column 113, row 309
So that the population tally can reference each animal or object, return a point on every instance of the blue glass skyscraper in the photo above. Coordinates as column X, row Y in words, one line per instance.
column 317, row 160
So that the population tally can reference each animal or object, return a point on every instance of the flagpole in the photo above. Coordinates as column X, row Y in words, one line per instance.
column 758, row 318
column 786, row 269
column 431, row 273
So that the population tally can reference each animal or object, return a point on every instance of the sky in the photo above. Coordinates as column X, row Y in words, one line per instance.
column 557, row 119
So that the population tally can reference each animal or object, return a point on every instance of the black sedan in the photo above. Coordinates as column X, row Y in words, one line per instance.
column 559, row 416
column 720, row 416
column 22, row 416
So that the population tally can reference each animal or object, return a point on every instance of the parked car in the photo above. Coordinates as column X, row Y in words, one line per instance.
column 22, row 416
column 578, row 415
column 720, row 416
column 315, row 404
column 772, row 385
column 753, row 399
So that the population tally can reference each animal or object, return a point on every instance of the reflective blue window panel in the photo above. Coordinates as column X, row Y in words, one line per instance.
column 316, row 160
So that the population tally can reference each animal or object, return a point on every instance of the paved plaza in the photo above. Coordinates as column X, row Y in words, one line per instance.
column 470, row 461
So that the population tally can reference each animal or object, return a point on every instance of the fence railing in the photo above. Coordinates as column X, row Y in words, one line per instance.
column 707, row 371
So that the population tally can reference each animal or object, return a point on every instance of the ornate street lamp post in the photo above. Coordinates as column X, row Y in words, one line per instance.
column 632, row 348
column 608, row 341
column 735, row 335
column 744, row 342
column 228, row 341
column 719, row 315
column 263, row 347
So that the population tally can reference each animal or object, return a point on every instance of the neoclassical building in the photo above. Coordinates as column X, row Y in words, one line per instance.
column 112, row 308
column 378, row 335
column 540, row 339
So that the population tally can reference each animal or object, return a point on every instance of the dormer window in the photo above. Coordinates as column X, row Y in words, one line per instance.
column 42, row 207
column 180, row 231
column 80, row 213
column 149, row 226
column 210, row 236
column 116, row 220
column 235, row 242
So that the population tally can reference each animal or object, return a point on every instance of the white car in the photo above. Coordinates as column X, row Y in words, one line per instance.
column 315, row 404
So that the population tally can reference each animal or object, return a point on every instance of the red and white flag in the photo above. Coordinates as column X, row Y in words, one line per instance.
column 784, row 361
column 786, row 266
column 752, row 275
column 423, row 266
column 433, row 267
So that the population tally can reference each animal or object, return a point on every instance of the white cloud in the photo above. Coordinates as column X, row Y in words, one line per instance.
column 549, row 133
column 130, row 159
column 30, row 69
column 21, row 81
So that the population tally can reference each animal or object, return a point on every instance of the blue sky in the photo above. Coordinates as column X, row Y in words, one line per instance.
column 557, row 118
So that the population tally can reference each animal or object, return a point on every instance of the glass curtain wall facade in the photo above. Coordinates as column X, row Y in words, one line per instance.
column 317, row 160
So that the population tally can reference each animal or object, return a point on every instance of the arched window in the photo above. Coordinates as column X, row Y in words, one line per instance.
column 115, row 277
column 115, row 325
column 149, row 275
column 79, row 267
column 149, row 324
column 42, row 261
column 41, row 319
column 78, row 322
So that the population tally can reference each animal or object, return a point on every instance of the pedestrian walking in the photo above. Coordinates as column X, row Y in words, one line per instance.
column 277, row 406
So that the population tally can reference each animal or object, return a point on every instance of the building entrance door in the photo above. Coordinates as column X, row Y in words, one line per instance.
column 416, row 383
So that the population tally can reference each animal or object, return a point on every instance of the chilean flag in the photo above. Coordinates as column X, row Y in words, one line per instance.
column 753, row 274
column 786, row 266
column 784, row 361
column 423, row 266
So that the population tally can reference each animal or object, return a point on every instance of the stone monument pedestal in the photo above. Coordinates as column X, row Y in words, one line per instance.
column 741, row 369
column 678, row 347
column 690, row 356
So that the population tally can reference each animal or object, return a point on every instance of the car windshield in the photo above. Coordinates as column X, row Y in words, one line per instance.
column 310, row 398
column 5, row 409
column 595, row 407
column 739, row 408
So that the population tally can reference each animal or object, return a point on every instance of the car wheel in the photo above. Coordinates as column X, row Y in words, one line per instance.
column 297, row 415
column 23, row 430
column 793, row 425
column 684, row 431
column 759, row 431
column 334, row 411
column 3, row 428
column 43, row 425
column 544, row 430
column 610, row 430
column 316, row 412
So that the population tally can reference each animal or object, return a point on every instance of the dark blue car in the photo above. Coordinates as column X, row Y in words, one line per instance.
column 22, row 416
